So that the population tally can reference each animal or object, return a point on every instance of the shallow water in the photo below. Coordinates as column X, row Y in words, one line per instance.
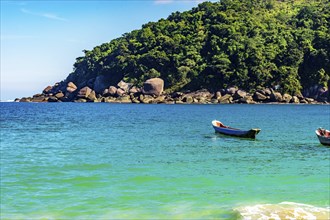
column 101, row 161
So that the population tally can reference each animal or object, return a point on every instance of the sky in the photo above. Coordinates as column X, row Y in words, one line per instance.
column 40, row 40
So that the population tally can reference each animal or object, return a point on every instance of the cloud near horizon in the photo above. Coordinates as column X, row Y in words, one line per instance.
column 45, row 15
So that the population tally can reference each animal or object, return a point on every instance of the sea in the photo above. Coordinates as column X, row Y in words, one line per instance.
column 157, row 161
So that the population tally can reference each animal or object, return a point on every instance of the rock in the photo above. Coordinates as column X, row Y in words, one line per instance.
column 25, row 99
column 177, row 95
column 295, row 100
column 257, row 96
column 124, row 99
column 84, row 92
column 310, row 100
column 134, row 90
column 323, row 96
column 240, row 94
column 231, row 90
column 52, row 99
column 169, row 102
column 124, row 86
column 188, row 99
column 226, row 99
column 100, row 84
column 287, row 98
column 120, row 92
column 203, row 100
column 71, row 87
column 39, row 99
column 299, row 95
column 214, row 101
column 217, row 95
column 47, row 89
column 246, row 100
column 303, row 101
column 80, row 100
column 109, row 99
column 147, row 99
column 92, row 96
column 135, row 100
column 160, row 99
column 154, row 86
column 106, row 93
column 59, row 95
column 276, row 97
column 90, row 83
column 179, row 102
column 112, row 90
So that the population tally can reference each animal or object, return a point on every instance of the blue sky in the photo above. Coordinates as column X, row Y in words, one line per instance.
column 41, row 39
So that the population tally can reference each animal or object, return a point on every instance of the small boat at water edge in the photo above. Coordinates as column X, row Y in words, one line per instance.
column 323, row 135
column 222, row 129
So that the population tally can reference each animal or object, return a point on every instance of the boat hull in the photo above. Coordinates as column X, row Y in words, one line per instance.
column 252, row 133
column 323, row 140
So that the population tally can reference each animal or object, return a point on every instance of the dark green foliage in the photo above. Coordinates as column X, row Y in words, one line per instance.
column 247, row 43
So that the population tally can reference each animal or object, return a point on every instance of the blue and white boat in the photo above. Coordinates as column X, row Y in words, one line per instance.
column 221, row 128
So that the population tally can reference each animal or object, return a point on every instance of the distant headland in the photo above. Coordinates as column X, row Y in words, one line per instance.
column 231, row 51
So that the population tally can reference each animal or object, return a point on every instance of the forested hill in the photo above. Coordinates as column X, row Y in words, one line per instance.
column 246, row 43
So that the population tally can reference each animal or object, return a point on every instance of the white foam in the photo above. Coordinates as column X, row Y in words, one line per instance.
column 283, row 210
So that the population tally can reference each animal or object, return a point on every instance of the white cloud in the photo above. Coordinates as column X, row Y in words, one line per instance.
column 45, row 15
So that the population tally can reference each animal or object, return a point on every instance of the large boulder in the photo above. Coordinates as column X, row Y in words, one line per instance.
column 84, row 92
column 71, row 87
column 154, row 86
column 101, row 83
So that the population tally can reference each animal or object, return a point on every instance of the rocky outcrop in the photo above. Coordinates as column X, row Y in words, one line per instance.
column 97, row 90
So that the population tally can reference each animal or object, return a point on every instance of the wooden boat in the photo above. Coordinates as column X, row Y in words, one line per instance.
column 323, row 135
column 221, row 128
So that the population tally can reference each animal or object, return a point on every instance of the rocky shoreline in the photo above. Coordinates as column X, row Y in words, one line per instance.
column 152, row 92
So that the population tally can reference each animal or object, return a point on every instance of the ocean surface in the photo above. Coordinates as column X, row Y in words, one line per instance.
column 135, row 161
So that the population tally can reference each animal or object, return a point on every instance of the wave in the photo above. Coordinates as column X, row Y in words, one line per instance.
column 284, row 210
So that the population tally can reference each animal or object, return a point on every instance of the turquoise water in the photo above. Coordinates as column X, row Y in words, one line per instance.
column 124, row 161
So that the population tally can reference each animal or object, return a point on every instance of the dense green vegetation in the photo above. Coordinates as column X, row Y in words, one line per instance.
column 247, row 43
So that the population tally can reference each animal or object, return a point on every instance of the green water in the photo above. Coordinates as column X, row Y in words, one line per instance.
column 117, row 161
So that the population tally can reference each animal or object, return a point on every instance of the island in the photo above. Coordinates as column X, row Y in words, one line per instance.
column 231, row 51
